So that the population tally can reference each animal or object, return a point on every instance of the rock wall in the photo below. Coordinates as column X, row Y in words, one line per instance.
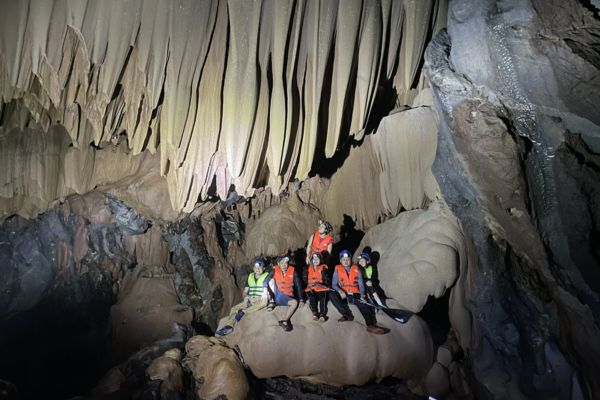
column 92, row 281
column 511, row 129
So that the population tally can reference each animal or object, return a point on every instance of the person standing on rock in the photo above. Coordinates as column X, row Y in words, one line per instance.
column 364, row 260
column 317, row 287
column 286, row 289
column 349, row 287
column 320, row 241
column 255, row 297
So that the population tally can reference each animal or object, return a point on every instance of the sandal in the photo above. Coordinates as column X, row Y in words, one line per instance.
column 286, row 325
column 271, row 307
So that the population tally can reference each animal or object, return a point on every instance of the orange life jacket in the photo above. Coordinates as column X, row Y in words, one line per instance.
column 316, row 277
column 285, row 283
column 320, row 244
column 348, row 281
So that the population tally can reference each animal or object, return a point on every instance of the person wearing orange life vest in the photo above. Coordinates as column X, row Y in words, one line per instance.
column 320, row 241
column 317, row 286
column 285, row 289
column 255, row 297
column 348, row 285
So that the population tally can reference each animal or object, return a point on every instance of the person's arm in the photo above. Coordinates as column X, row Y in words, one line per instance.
column 361, row 285
column 335, row 285
column 308, row 248
column 335, row 281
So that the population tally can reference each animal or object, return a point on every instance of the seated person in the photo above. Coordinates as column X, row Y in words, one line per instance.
column 320, row 241
column 255, row 297
column 364, row 260
column 348, row 285
column 285, row 289
column 317, row 287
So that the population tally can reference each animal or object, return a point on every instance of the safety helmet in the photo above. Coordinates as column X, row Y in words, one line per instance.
column 366, row 256
column 283, row 259
column 345, row 253
column 328, row 227
column 258, row 262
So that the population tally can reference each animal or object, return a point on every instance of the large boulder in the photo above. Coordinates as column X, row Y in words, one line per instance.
column 279, row 228
column 336, row 353
column 216, row 369
column 419, row 253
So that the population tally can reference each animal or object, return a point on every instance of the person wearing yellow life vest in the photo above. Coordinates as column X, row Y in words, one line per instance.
column 317, row 286
column 255, row 297
column 286, row 289
column 364, row 260
column 320, row 241
column 348, row 284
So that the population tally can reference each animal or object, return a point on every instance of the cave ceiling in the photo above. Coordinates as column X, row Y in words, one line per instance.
column 219, row 94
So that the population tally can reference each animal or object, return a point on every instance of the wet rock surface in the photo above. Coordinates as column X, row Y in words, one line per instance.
column 517, row 163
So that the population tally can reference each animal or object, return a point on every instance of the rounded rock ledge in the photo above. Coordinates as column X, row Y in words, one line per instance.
column 332, row 352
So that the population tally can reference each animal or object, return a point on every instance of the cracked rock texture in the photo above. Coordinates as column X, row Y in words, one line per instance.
column 516, row 84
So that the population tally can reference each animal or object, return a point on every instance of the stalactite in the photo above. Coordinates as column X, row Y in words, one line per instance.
column 241, row 93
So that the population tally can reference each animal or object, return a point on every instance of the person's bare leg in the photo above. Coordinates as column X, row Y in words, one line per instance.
column 292, row 306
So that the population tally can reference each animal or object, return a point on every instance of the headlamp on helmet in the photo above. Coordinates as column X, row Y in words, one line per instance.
column 345, row 254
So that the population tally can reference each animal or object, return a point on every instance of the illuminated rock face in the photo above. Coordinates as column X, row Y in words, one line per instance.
column 332, row 352
column 245, row 93
column 164, row 104
column 419, row 254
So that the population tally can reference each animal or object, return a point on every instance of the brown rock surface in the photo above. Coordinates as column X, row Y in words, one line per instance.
column 420, row 252
column 167, row 369
column 145, row 311
column 281, row 227
column 336, row 353
column 216, row 369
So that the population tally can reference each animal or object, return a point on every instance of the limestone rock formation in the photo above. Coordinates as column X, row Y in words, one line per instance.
column 40, row 168
column 514, row 87
column 145, row 311
column 174, row 78
column 280, row 228
column 390, row 171
column 167, row 369
column 336, row 353
column 216, row 369
column 420, row 254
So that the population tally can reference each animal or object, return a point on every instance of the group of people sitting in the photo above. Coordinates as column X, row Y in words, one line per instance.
column 350, row 284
